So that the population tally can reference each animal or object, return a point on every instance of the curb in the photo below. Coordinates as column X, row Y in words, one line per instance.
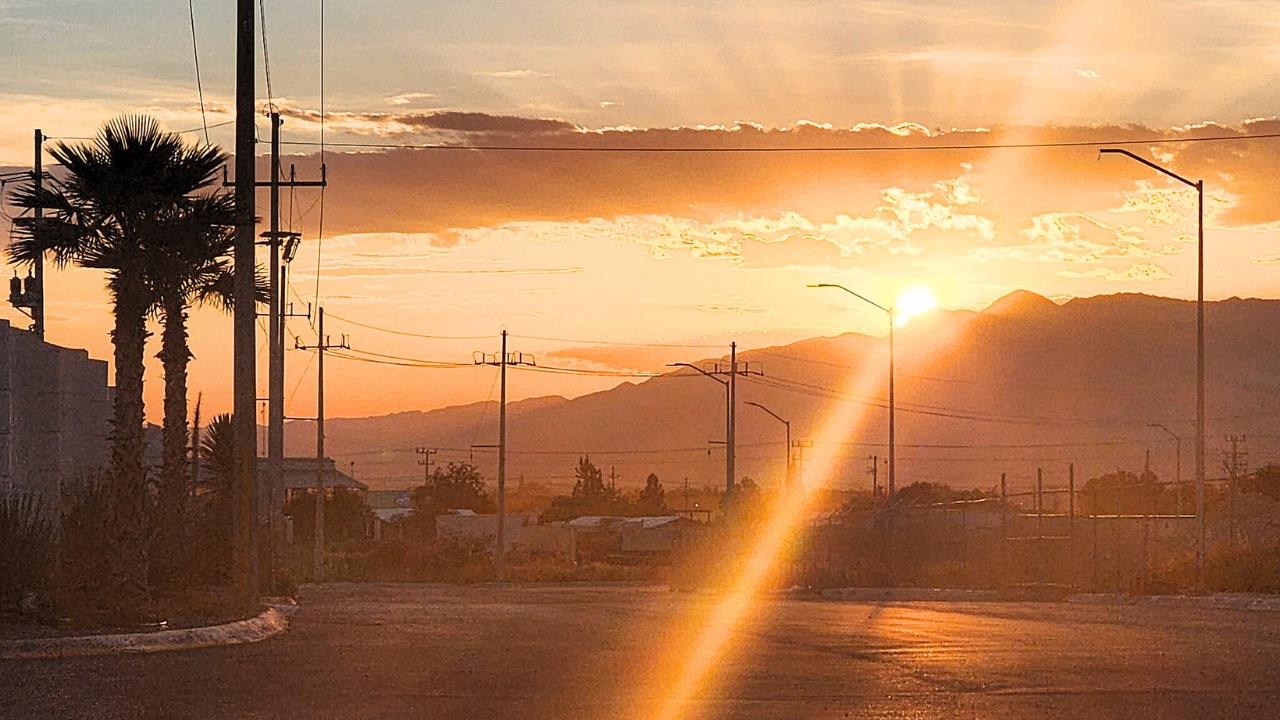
column 270, row 622
column 902, row 595
column 1217, row 601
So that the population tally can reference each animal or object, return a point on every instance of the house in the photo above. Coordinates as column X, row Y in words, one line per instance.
column 55, row 414
column 388, row 505
column 650, row 538
column 300, row 478
column 468, row 526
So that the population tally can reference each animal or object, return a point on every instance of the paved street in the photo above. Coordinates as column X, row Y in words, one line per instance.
column 389, row 651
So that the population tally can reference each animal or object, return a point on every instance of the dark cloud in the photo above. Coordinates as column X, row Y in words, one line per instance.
column 409, row 190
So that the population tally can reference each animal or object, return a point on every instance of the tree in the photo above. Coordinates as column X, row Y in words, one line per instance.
column 191, row 265
column 459, row 486
column 112, row 211
column 652, row 499
column 346, row 515
column 590, row 496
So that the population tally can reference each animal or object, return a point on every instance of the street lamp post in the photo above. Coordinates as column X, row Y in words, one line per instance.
column 728, row 424
column 1200, row 423
column 892, row 313
column 785, row 423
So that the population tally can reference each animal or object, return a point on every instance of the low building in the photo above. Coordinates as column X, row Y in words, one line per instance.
column 55, row 414
column 631, row 539
column 468, row 526
column 300, row 476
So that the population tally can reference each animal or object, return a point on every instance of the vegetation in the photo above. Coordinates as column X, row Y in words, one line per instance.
column 457, row 486
column 138, row 203
column 28, row 540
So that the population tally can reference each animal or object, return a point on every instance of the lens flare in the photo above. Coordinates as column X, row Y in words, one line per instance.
column 713, row 644
column 914, row 302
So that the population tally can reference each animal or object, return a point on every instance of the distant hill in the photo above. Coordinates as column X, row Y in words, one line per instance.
column 1025, row 383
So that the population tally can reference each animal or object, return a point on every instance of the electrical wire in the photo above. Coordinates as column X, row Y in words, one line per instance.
column 810, row 149
column 266, row 54
column 195, row 51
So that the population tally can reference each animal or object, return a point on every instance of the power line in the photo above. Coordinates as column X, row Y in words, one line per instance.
column 808, row 149
column 266, row 55
column 407, row 333
column 195, row 51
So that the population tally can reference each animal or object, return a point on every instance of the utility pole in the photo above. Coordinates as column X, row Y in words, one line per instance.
column 730, row 410
column 1235, row 463
column 243, row 432
column 502, row 361
column 613, row 477
column 37, row 180
column 28, row 297
column 323, row 343
column 425, row 461
column 279, row 311
column 874, row 471
column 275, row 371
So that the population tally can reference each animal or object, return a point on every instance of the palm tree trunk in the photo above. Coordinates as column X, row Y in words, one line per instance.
column 128, row 593
column 175, row 355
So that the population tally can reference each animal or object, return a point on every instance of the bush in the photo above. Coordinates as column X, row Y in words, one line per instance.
column 28, row 546
column 85, row 565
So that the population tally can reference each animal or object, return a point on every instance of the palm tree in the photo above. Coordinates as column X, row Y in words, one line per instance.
column 191, row 266
column 114, row 209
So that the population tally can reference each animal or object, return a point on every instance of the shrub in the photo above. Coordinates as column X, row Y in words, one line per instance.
column 28, row 545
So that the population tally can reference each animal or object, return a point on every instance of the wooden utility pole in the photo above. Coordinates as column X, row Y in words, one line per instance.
column 37, row 179
column 323, row 343
column 278, row 313
column 425, row 462
column 502, row 360
column 243, row 433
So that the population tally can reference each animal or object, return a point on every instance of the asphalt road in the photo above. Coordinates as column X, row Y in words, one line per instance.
column 404, row 651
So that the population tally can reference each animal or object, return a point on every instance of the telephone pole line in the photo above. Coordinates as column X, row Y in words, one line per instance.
column 502, row 360
column 275, row 240
column 28, row 297
column 730, row 410
column 874, row 471
column 37, row 306
column 323, row 343
column 244, row 376
column 425, row 462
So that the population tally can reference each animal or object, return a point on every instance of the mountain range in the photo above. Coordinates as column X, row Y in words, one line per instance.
column 1025, row 383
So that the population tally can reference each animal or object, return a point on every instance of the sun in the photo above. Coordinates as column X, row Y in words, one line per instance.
column 913, row 302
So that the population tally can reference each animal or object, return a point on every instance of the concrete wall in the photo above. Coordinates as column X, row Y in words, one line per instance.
column 55, row 414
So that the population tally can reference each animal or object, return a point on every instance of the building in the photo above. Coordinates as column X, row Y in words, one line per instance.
column 55, row 414
column 300, row 478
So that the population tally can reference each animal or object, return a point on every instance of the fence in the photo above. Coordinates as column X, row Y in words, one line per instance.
column 1127, row 537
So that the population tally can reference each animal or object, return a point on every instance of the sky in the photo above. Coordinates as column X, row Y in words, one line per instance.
column 628, row 250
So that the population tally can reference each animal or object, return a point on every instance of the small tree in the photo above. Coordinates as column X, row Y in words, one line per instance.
column 459, row 486
column 652, row 499
column 590, row 496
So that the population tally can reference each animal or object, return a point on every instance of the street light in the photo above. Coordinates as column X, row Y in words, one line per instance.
column 787, row 424
column 1177, row 483
column 1200, row 458
column 892, row 321
column 728, row 424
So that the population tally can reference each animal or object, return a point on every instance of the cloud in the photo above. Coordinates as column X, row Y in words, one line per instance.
column 522, row 74
column 410, row 98
column 1087, row 73
column 1143, row 272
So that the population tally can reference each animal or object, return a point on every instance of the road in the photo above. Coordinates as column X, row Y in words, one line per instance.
column 600, row 651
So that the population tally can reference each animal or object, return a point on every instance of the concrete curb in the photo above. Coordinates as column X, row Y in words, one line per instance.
column 270, row 622
column 868, row 594
column 1216, row 601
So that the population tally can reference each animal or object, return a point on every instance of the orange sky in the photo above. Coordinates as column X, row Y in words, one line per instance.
column 627, row 248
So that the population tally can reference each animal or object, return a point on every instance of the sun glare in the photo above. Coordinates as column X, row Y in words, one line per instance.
column 914, row 302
